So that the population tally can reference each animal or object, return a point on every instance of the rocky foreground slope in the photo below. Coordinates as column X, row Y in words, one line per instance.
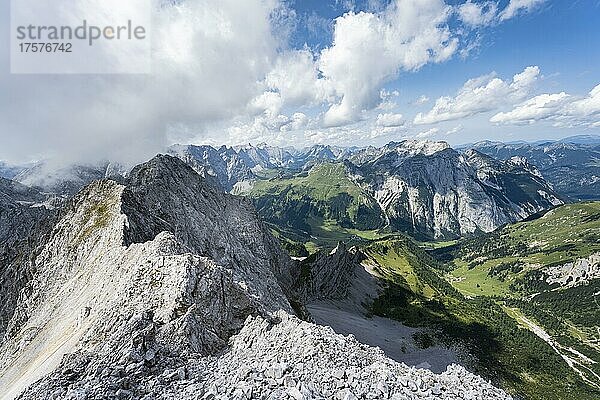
column 164, row 287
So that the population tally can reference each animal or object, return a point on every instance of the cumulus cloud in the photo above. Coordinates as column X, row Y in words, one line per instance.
column 296, row 78
column 389, row 120
column 485, row 13
column 562, row 109
column 454, row 130
column 479, row 95
column 388, row 102
column 477, row 14
column 208, row 57
column 427, row 134
column 514, row 7
column 370, row 49
column 421, row 100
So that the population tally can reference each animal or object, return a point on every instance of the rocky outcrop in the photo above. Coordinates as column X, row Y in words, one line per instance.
column 338, row 276
column 576, row 273
column 164, row 287
column 286, row 359
column 23, row 213
column 108, row 262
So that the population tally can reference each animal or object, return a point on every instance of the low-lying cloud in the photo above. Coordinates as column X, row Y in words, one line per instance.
column 227, row 63
column 207, row 59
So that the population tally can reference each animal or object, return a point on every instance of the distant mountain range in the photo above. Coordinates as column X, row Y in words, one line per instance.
column 424, row 188
column 577, row 139
column 571, row 165
column 572, row 168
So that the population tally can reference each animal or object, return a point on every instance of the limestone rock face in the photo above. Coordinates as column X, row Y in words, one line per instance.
column 164, row 287
column 337, row 276
column 282, row 359
column 23, row 211
column 576, row 273
column 437, row 193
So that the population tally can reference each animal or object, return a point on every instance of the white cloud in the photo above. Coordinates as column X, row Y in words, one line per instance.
column 207, row 59
column 296, row 77
column 454, row 130
column 537, row 108
column 405, row 35
column 421, row 100
column 390, row 120
column 427, row 134
column 297, row 122
column 485, row 13
column 562, row 109
column 479, row 95
column 370, row 49
column 516, row 6
column 387, row 100
column 227, row 63
column 477, row 14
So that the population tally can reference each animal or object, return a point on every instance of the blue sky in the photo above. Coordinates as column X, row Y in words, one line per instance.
column 304, row 72
column 561, row 38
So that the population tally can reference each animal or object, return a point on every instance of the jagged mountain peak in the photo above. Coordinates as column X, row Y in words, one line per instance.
column 163, row 168
column 415, row 147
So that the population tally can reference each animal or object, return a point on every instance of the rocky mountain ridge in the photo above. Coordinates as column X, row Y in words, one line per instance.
column 163, row 287
column 573, row 168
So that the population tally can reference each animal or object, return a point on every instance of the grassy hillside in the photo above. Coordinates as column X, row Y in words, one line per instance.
column 319, row 205
column 486, row 295
column 512, row 267
column 504, row 348
column 507, row 262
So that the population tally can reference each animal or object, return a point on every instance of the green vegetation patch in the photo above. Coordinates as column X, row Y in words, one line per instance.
column 324, row 193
